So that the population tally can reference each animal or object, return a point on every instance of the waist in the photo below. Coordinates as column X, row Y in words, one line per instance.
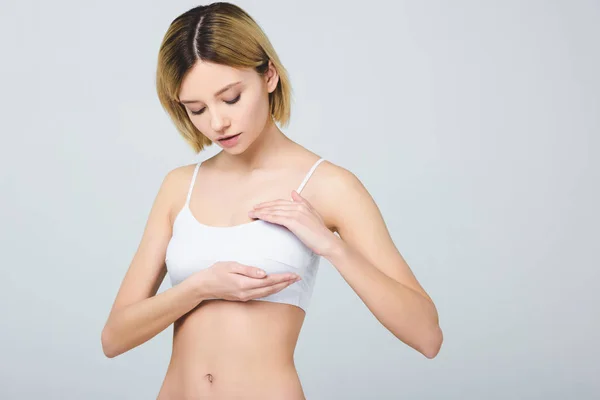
column 224, row 332
column 222, row 348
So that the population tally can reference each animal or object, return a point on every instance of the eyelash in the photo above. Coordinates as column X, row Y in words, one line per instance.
column 226, row 101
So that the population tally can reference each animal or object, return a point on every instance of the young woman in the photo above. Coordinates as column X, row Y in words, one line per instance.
column 241, row 234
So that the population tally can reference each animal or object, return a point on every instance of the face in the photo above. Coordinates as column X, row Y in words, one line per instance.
column 222, row 101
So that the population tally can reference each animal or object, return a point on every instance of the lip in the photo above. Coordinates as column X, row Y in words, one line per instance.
column 228, row 137
column 230, row 141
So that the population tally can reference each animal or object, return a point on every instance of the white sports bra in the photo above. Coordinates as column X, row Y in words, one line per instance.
column 271, row 247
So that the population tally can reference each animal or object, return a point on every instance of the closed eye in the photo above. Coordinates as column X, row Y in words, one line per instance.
column 233, row 101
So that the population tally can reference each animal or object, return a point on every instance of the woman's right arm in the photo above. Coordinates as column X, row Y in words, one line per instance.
column 138, row 314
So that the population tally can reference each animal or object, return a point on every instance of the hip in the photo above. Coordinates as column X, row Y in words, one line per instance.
column 240, row 381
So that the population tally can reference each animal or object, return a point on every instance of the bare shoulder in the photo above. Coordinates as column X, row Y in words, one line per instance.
column 348, row 207
column 330, row 185
column 179, row 175
column 175, row 186
column 333, row 173
column 332, row 176
column 177, row 180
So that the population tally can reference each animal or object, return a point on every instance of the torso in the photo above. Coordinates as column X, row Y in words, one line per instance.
column 225, row 349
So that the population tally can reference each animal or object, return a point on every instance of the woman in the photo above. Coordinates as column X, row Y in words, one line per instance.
column 216, row 225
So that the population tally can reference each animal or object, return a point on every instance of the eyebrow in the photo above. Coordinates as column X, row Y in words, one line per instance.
column 216, row 94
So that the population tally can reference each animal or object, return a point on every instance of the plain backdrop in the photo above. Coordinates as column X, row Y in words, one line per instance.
column 474, row 125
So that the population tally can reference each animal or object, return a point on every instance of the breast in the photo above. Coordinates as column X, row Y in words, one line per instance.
column 274, row 248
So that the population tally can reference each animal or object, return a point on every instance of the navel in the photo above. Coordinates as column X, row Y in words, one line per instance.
column 209, row 377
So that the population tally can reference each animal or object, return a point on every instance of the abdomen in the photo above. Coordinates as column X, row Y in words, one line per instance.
column 222, row 347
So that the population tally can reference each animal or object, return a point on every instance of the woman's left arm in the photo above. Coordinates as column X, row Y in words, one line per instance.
column 364, row 254
column 370, row 263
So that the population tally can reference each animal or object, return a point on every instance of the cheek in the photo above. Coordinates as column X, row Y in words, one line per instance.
column 252, row 115
column 202, row 124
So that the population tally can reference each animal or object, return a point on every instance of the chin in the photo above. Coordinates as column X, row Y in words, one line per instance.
column 241, row 147
column 233, row 151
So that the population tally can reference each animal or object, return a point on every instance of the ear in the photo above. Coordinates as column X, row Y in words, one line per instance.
column 272, row 77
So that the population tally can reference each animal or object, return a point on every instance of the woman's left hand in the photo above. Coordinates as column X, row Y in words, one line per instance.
column 301, row 219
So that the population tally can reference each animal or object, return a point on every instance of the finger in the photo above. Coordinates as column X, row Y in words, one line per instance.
column 277, row 217
column 272, row 203
column 247, row 270
column 272, row 279
column 289, row 214
column 263, row 292
column 297, row 197
column 288, row 206
column 301, row 208
column 276, row 213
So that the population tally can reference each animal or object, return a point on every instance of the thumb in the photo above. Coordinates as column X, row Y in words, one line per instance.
column 247, row 270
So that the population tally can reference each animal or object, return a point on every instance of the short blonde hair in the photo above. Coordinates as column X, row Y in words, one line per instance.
column 221, row 33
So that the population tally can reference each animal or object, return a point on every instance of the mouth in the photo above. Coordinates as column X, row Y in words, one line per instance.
column 228, row 137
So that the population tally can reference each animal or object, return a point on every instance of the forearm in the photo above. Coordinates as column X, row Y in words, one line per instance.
column 139, row 322
column 409, row 315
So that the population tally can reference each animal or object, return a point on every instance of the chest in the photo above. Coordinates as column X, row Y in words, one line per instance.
column 274, row 248
column 224, row 202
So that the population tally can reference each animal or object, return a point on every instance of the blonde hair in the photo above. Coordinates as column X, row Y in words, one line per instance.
column 221, row 33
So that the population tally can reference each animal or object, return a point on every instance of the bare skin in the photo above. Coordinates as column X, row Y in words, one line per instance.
column 224, row 350
column 235, row 346
column 236, row 349
column 231, row 346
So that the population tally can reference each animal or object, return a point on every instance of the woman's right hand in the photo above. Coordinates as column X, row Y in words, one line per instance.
column 230, row 280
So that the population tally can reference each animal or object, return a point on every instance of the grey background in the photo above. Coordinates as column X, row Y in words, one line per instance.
column 474, row 125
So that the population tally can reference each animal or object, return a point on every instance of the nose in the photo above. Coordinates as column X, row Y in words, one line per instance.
column 219, row 122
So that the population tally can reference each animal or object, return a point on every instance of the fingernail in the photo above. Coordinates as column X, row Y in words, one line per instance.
column 261, row 273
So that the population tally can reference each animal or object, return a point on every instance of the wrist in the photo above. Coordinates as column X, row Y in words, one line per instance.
column 199, row 286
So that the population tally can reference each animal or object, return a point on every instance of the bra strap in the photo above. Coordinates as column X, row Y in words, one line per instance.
column 309, row 174
column 189, row 195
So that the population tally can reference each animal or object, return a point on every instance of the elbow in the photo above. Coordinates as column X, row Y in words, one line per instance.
column 108, row 346
column 431, row 347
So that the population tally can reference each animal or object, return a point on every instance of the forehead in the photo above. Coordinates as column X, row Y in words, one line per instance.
column 204, row 79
